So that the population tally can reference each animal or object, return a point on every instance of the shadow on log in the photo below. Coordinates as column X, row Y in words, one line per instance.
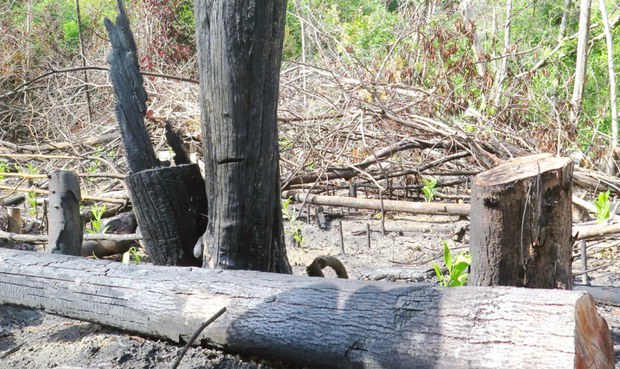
column 319, row 323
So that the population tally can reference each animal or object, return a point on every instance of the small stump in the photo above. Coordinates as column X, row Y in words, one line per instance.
column 171, row 208
column 521, row 224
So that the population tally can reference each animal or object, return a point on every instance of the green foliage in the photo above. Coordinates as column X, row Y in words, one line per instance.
column 31, row 200
column 603, row 207
column 54, row 22
column 97, row 212
column 457, row 268
column 363, row 28
column 131, row 253
column 294, row 225
column 429, row 189
column 4, row 168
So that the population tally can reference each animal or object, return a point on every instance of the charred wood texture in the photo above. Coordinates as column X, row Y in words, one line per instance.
column 317, row 322
column 521, row 224
column 170, row 205
column 169, row 202
column 240, row 50
column 65, row 223
column 130, row 93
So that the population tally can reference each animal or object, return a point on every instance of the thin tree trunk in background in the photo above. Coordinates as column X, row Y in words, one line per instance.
column 500, row 74
column 240, row 51
column 83, row 57
column 467, row 7
column 564, row 22
column 612, row 78
column 582, row 56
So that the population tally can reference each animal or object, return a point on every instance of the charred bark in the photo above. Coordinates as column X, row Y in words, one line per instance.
column 240, row 49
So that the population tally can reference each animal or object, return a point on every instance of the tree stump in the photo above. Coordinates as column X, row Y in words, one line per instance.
column 170, row 205
column 521, row 224
column 65, row 223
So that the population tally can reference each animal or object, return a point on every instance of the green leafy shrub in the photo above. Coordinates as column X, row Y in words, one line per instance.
column 603, row 207
column 429, row 188
column 457, row 268
column 289, row 213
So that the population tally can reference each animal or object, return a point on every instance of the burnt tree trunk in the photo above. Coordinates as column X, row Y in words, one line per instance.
column 65, row 222
column 169, row 202
column 521, row 224
column 240, row 48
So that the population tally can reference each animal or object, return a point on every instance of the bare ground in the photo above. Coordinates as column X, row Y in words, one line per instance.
column 35, row 339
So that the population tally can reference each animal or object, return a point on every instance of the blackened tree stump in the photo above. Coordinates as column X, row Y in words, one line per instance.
column 521, row 224
column 171, row 207
column 65, row 223
column 169, row 202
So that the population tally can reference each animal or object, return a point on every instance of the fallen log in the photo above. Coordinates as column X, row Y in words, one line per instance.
column 317, row 322
column 433, row 208
column 595, row 231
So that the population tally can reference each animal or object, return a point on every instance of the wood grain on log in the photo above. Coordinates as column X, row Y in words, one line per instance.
column 521, row 224
column 320, row 323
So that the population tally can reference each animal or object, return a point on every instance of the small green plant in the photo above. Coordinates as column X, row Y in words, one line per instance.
column 93, row 166
column 95, row 222
column 291, row 215
column 132, row 252
column 31, row 200
column 429, row 189
column 31, row 168
column 457, row 268
column 4, row 168
column 603, row 207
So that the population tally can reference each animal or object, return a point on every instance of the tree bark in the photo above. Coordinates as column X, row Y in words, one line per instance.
column 240, row 49
column 582, row 57
column 65, row 223
column 319, row 323
column 130, row 93
column 170, row 205
column 170, row 202
column 564, row 21
column 521, row 224
column 612, row 79
column 502, row 71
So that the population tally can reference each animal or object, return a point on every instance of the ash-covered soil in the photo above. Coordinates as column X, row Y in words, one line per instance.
column 32, row 339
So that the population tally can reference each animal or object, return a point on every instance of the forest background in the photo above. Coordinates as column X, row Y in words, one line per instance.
column 496, row 70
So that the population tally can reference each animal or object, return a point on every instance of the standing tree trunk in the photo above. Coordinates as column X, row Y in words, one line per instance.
column 564, row 22
column 502, row 71
column 240, row 49
column 582, row 54
column 612, row 78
